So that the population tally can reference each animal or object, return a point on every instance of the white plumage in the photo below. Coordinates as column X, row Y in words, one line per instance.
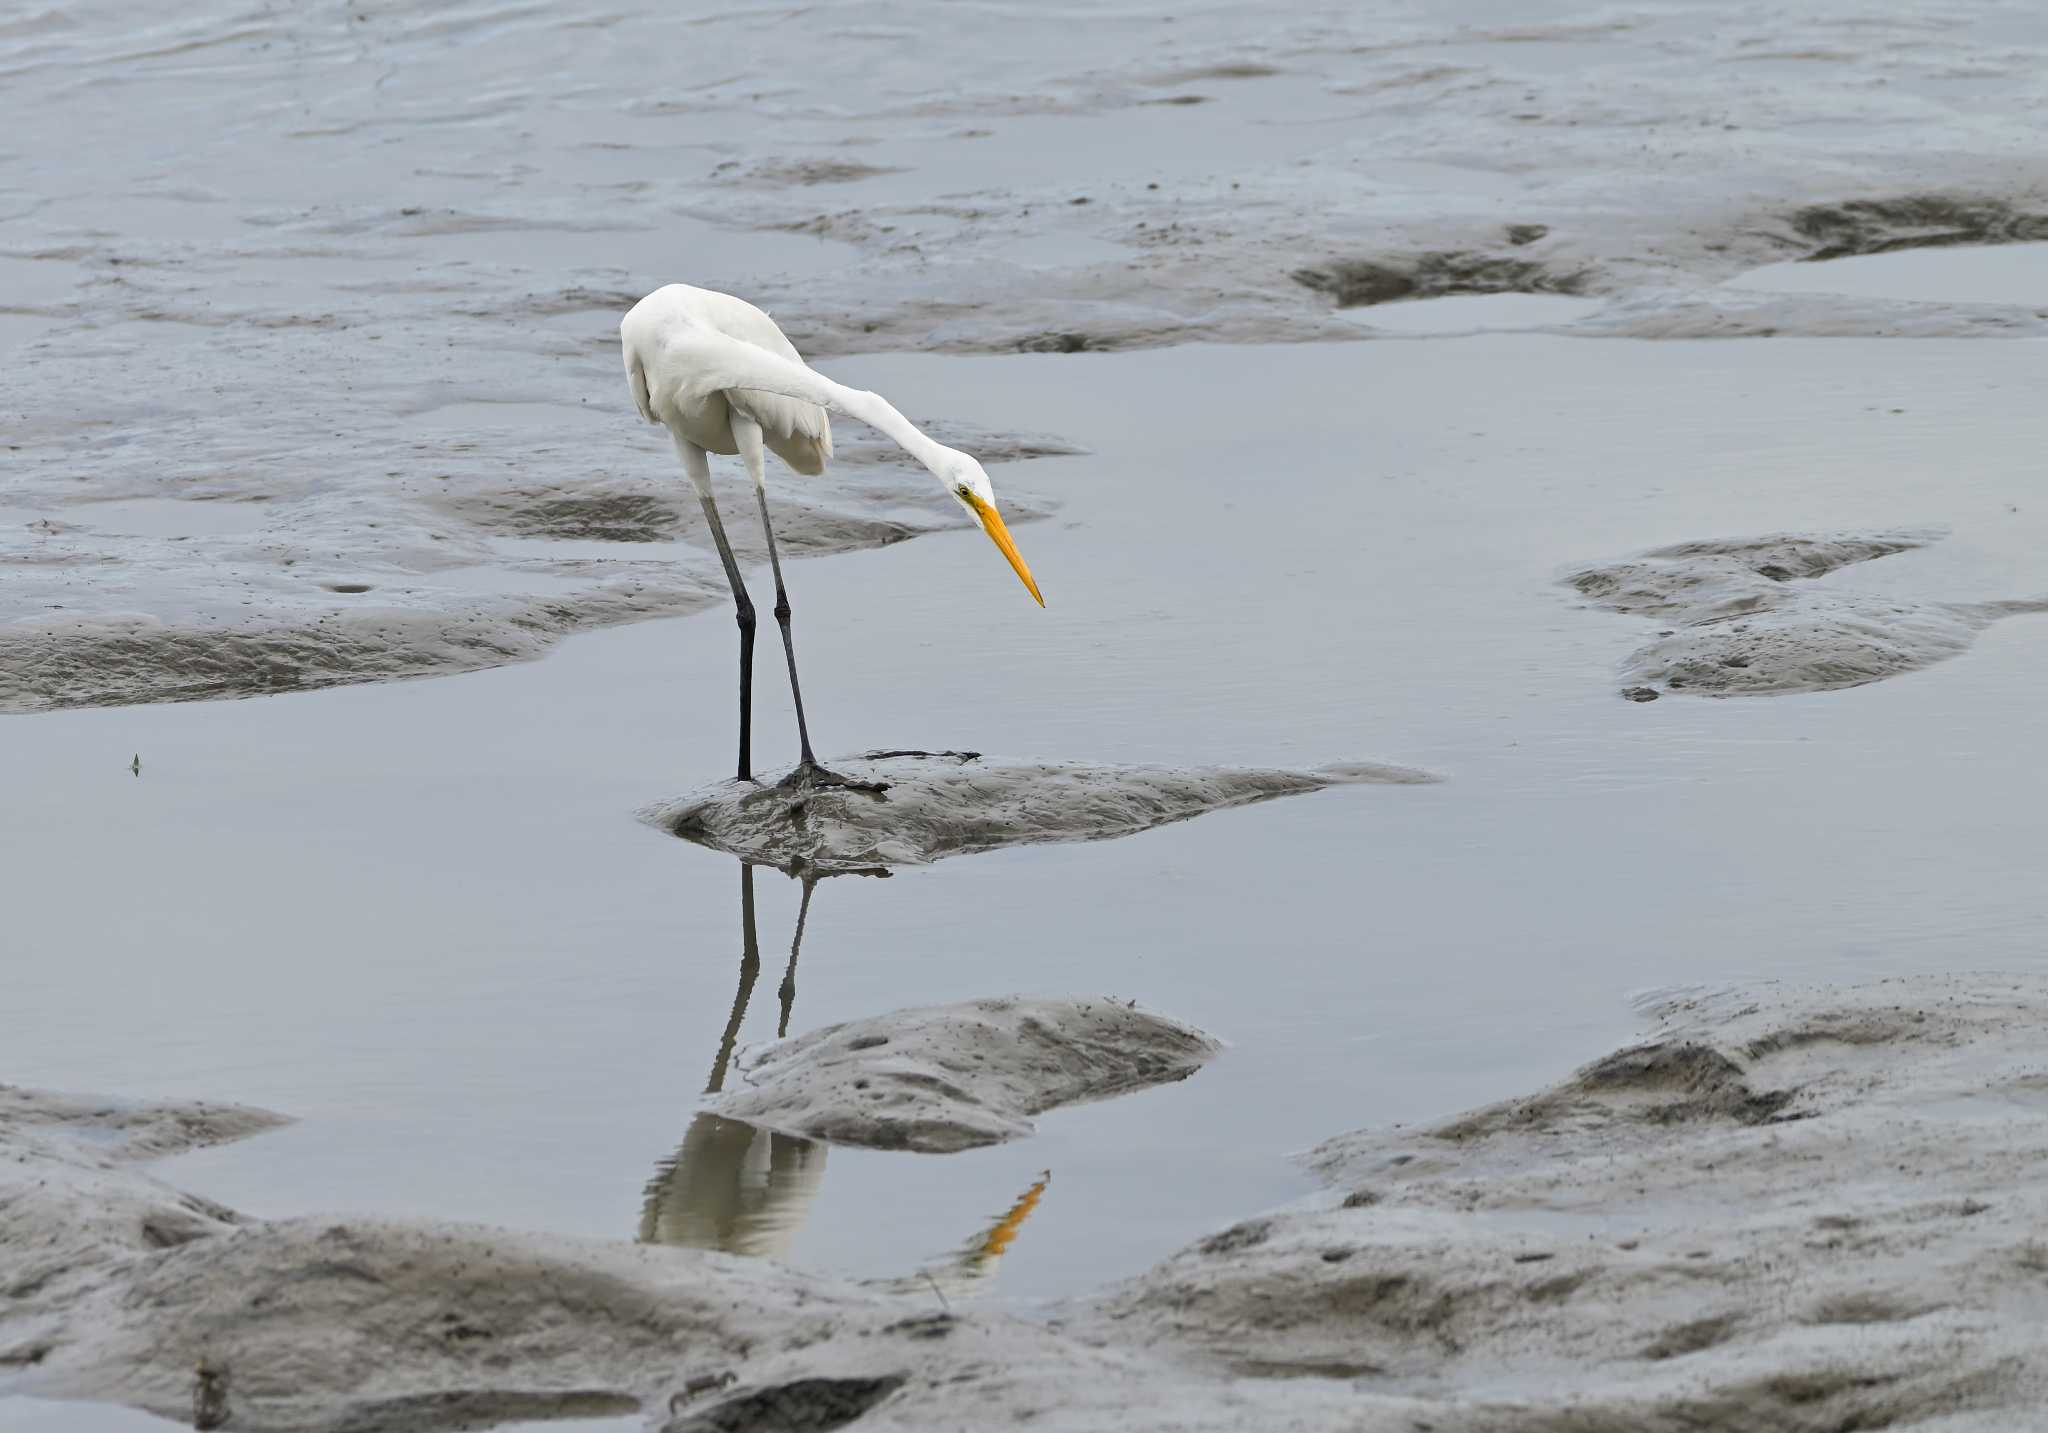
column 797, row 432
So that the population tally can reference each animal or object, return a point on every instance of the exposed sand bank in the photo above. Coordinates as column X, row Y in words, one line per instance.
column 1747, row 619
column 939, row 804
column 952, row 1077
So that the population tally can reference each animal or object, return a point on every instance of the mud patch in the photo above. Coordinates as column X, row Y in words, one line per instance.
column 951, row 1077
column 118, row 660
column 804, row 1405
column 1749, row 621
column 480, row 1408
column 390, row 582
column 1610, row 1256
column 417, row 1328
column 1872, row 1307
column 1692, row 1336
column 127, row 1129
column 1665, row 1082
column 799, row 173
column 949, row 804
column 1354, row 283
column 1918, row 221
column 1691, row 1288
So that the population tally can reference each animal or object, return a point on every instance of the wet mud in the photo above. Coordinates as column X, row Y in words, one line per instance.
column 1915, row 221
column 318, row 591
column 1747, row 617
column 1360, row 282
column 951, row 803
column 1681, row 1235
column 951, row 1077
column 403, row 377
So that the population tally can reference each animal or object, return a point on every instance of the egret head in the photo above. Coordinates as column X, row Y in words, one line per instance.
column 970, row 488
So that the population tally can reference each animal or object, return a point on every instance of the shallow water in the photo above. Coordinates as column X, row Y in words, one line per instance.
column 2006, row 274
column 1475, row 313
column 421, row 917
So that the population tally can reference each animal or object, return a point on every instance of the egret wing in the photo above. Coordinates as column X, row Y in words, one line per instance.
column 716, row 361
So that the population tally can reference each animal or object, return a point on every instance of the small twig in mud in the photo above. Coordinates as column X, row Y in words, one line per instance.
column 936, row 1289
column 742, row 1068
column 136, row 765
column 891, row 755
column 702, row 1383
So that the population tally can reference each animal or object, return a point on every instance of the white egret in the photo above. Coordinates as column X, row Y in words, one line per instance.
column 722, row 378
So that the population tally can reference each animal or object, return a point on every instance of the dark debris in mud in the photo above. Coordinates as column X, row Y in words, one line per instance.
column 1358, row 283
column 467, row 1408
column 1917, row 221
column 1662, row 1083
column 1059, row 343
column 804, row 1405
column 589, row 516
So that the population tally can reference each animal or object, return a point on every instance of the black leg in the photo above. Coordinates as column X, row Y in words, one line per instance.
column 788, row 988
column 796, row 691
column 750, row 967
column 699, row 469
column 745, row 615
column 808, row 772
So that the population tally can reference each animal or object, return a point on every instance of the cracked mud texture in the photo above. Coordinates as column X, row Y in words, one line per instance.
column 952, row 803
column 945, row 1078
column 1751, row 617
column 1799, row 1207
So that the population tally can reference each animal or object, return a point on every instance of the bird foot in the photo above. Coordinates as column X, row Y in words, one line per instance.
column 809, row 776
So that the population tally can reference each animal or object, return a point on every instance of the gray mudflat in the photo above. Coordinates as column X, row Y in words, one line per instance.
column 1791, row 1207
column 1748, row 618
column 267, row 581
column 365, row 375
column 950, row 803
column 952, row 1077
column 74, row 1204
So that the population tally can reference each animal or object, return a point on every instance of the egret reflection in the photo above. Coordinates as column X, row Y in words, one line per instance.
column 750, row 970
column 732, row 1185
column 735, row 1187
column 974, row 1262
column 744, row 1189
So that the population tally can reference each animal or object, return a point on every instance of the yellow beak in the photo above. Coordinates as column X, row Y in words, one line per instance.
column 992, row 524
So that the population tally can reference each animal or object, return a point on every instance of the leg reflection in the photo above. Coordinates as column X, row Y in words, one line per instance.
column 750, row 967
column 739, row 1188
column 788, row 988
column 734, row 1186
